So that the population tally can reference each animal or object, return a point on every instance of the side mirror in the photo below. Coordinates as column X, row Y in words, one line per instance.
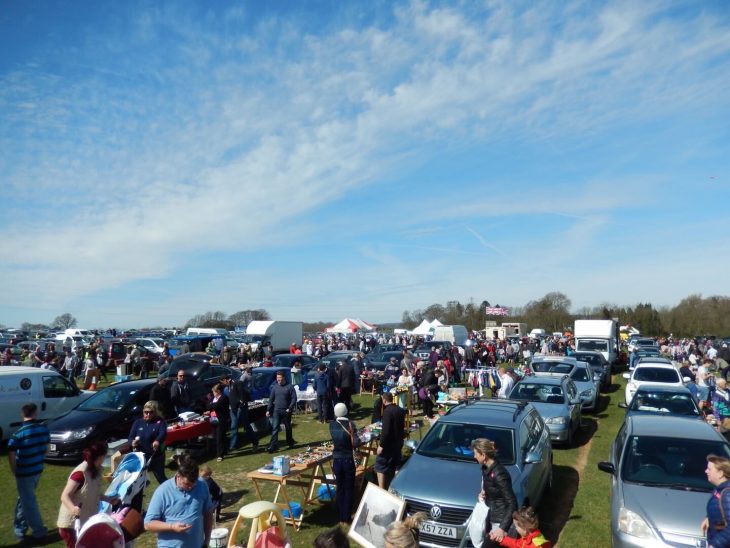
column 411, row 444
column 607, row 467
column 622, row 405
column 626, row 375
column 533, row 457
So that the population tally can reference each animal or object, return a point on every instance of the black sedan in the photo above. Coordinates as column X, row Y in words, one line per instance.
column 106, row 416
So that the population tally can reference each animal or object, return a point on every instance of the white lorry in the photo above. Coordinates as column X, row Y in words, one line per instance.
column 455, row 334
column 597, row 336
column 280, row 334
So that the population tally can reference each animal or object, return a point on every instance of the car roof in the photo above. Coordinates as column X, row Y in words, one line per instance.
column 135, row 383
column 563, row 359
column 670, row 426
column 496, row 412
column 545, row 378
column 25, row 370
column 663, row 387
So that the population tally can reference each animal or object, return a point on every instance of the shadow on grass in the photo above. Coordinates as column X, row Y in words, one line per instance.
column 588, row 427
column 556, row 505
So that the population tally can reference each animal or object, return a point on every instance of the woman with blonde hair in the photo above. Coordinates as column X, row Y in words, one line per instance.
column 404, row 534
column 496, row 492
column 718, row 507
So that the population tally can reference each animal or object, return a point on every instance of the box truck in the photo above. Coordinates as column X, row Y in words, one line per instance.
column 280, row 334
column 455, row 334
column 597, row 336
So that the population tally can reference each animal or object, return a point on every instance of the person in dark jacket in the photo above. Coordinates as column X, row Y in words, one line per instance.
column 391, row 441
column 282, row 402
column 160, row 393
column 346, row 382
column 715, row 525
column 321, row 386
column 180, row 394
column 148, row 435
column 345, row 440
column 239, row 395
column 377, row 409
column 220, row 408
column 496, row 492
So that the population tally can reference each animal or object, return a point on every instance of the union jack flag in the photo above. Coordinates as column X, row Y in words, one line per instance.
column 497, row 311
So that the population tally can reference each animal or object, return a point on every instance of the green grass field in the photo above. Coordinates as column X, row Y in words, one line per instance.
column 576, row 512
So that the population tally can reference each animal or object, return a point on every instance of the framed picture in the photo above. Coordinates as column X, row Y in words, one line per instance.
column 377, row 510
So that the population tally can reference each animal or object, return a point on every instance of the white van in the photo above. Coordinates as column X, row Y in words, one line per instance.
column 50, row 391
column 206, row 331
column 455, row 334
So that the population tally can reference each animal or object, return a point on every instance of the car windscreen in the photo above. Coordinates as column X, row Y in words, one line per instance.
column 594, row 346
column 656, row 374
column 537, row 392
column 552, row 367
column 453, row 441
column 581, row 375
column 677, row 463
column 113, row 398
column 664, row 402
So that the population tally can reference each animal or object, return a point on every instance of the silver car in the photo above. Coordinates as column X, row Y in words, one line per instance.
column 659, row 490
column 442, row 478
column 581, row 373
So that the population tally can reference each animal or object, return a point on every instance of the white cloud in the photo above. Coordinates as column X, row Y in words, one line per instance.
column 235, row 133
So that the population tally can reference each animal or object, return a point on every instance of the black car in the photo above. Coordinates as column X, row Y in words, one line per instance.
column 202, row 375
column 424, row 349
column 286, row 360
column 106, row 416
column 379, row 361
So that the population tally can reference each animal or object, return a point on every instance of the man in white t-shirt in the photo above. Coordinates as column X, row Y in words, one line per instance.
column 506, row 382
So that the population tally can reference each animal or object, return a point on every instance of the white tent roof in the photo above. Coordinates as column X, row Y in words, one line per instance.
column 349, row 325
column 426, row 327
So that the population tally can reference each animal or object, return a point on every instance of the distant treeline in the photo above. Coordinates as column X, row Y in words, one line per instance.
column 694, row 315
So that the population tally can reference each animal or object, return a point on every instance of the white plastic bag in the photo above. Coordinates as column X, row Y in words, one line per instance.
column 478, row 523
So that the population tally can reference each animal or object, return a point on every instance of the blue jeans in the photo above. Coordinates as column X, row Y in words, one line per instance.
column 27, row 513
column 242, row 418
column 278, row 418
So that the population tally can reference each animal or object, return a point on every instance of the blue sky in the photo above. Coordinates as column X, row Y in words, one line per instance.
column 331, row 159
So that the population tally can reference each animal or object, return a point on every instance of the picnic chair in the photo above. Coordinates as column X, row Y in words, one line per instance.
column 262, row 534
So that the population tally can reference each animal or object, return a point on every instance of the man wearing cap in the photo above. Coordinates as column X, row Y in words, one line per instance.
column 391, row 441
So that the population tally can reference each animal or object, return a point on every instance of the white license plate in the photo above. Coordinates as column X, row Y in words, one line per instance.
column 52, row 446
column 438, row 530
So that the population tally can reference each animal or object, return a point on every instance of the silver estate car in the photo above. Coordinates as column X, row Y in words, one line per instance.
column 442, row 478
column 659, row 490
column 586, row 380
column 556, row 399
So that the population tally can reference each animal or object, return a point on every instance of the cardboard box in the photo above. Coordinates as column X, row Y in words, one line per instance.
column 281, row 465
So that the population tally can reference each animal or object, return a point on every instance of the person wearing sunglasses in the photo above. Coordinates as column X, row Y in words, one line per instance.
column 148, row 435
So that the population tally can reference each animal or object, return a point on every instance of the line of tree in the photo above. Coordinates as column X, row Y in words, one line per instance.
column 222, row 320
column 693, row 316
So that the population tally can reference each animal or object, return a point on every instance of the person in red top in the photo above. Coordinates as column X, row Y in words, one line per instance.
column 525, row 521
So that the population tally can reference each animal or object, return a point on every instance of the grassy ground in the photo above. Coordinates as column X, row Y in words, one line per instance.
column 576, row 513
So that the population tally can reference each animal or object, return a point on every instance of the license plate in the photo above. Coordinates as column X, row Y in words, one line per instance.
column 438, row 530
column 52, row 446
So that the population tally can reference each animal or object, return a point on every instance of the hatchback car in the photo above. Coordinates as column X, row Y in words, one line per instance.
column 663, row 399
column 448, row 497
column 556, row 399
column 598, row 364
column 105, row 416
column 654, row 372
column 659, row 490
column 586, row 381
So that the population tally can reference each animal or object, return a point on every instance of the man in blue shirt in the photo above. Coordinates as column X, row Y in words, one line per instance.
column 181, row 510
column 26, row 450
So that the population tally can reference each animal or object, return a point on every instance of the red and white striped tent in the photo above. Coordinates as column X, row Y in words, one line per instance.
column 349, row 325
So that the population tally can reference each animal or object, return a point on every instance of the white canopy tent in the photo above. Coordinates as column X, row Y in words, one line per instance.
column 349, row 325
column 426, row 327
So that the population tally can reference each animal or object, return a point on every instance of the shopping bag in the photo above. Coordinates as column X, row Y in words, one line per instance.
column 478, row 523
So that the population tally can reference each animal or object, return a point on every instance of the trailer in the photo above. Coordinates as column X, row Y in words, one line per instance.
column 280, row 334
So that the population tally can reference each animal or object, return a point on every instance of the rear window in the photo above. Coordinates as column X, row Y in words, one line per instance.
column 656, row 374
column 536, row 392
column 552, row 367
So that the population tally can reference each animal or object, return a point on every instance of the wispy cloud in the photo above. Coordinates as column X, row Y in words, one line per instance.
column 219, row 130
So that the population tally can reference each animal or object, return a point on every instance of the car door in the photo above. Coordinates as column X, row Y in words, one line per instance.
column 59, row 397
column 531, row 472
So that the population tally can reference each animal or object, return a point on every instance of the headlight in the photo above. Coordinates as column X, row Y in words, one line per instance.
column 396, row 493
column 556, row 420
column 632, row 524
column 78, row 434
column 587, row 393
